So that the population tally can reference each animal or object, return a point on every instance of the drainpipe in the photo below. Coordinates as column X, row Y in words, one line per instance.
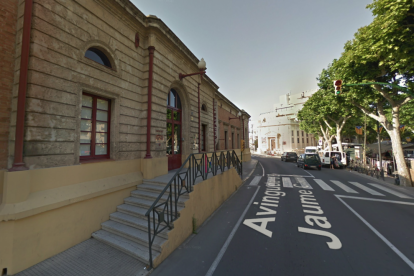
column 151, row 50
column 199, row 119
column 18, row 164
column 214, row 123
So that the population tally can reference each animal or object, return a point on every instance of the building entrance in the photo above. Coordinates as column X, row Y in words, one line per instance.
column 174, row 130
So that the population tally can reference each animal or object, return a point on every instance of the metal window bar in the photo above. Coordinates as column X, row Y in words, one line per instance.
column 164, row 210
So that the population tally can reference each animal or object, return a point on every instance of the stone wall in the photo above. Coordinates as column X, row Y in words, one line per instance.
column 8, row 21
column 231, row 126
column 59, row 73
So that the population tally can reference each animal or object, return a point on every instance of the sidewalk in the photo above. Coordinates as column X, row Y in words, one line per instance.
column 389, row 182
column 92, row 257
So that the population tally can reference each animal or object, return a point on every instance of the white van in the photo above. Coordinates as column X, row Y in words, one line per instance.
column 311, row 150
column 327, row 155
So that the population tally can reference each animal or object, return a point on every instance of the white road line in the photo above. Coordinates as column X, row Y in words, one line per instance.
column 304, row 183
column 344, row 187
column 366, row 189
column 323, row 185
column 376, row 199
column 255, row 181
column 230, row 237
column 393, row 248
column 389, row 191
column 286, row 182
column 262, row 168
column 293, row 175
column 309, row 173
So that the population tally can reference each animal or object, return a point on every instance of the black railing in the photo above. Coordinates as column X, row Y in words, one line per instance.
column 164, row 210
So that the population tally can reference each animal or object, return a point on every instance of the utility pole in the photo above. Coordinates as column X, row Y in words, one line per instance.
column 365, row 141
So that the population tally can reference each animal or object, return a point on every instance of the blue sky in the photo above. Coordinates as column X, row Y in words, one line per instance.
column 258, row 50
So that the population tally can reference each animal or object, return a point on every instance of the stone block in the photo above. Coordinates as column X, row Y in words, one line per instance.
column 47, row 148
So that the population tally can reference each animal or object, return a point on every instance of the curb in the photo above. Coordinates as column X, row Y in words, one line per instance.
column 400, row 188
column 247, row 177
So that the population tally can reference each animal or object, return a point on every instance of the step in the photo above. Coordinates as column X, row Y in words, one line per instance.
column 153, row 196
column 133, row 234
column 158, row 189
column 133, row 249
column 136, row 211
column 137, row 223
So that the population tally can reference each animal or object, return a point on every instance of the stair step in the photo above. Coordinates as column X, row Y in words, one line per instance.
column 133, row 234
column 158, row 189
column 137, row 222
column 133, row 249
column 136, row 211
column 153, row 196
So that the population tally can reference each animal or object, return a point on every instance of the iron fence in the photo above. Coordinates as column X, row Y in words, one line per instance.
column 164, row 210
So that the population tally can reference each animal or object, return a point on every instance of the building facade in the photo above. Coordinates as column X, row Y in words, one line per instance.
column 278, row 131
column 91, row 104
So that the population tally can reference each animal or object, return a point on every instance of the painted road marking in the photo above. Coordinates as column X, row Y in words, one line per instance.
column 230, row 237
column 303, row 183
column 344, row 187
column 323, row 185
column 293, row 175
column 390, row 191
column 255, row 181
column 387, row 242
column 286, row 182
column 366, row 189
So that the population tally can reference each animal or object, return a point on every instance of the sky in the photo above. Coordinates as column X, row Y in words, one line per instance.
column 258, row 50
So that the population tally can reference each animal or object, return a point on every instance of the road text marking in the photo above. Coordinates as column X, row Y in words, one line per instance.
column 303, row 183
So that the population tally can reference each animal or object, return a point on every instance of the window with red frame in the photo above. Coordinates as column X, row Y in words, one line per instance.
column 95, row 127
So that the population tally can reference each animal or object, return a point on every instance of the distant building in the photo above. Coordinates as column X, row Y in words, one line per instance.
column 278, row 131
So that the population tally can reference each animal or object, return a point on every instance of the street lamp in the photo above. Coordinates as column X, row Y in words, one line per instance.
column 202, row 68
column 238, row 116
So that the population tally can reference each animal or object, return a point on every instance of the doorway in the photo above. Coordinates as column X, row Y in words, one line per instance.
column 174, row 123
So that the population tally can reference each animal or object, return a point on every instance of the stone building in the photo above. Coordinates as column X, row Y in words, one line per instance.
column 91, row 103
column 278, row 131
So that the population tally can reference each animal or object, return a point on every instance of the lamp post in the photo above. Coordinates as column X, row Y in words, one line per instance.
column 202, row 67
column 242, row 146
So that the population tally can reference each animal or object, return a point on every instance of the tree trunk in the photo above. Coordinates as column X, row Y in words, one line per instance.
column 403, row 172
column 339, row 139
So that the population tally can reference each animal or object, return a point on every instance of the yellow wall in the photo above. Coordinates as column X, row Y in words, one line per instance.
column 47, row 211
column 204, row 200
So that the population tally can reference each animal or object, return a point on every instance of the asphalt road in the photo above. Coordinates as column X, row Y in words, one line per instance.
column 288, row 221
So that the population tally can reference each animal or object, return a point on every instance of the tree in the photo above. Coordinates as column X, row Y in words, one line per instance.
column 382, row 52
column 313, row 118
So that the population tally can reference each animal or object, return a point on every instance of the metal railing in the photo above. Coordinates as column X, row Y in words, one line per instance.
column 164, row 210
column 365, row 169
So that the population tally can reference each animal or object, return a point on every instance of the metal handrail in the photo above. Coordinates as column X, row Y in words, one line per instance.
column 161, row 214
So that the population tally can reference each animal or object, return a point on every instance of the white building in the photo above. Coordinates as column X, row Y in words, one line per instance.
column 278, row 131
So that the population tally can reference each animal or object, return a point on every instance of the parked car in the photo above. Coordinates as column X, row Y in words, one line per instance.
column 289, row 156
column 307, row 160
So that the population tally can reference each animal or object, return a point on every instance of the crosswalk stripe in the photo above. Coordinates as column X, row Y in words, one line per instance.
column 344, row 187
column 255, row 181
column 323, row 185
column 390, row 191
column 304, row 183
column 286, row 182
column 366, row 189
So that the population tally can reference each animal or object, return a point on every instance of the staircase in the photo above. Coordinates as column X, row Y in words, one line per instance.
column 127, row 228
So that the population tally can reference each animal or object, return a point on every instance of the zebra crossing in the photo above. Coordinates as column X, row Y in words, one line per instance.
column 338, row 186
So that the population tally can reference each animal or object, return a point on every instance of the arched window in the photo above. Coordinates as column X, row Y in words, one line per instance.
column 204, row 107
column 173, row 99
column 98, row 56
